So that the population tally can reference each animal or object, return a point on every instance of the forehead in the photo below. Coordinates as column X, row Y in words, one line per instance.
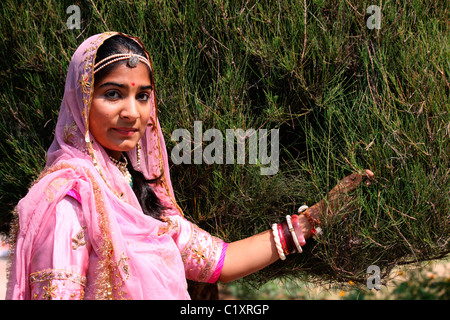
column 123, row 74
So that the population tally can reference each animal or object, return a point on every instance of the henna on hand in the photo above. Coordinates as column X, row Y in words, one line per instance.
column 338, row 200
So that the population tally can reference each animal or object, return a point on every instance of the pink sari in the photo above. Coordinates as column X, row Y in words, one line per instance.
column 80, row 231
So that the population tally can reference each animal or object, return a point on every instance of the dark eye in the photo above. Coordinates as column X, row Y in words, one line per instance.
column 112, row 94
column 143, row 96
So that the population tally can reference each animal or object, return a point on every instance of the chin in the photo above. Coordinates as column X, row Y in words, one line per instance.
column 127, row 148
column 122, row 148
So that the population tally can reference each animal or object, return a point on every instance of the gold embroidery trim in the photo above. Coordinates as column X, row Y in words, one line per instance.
column 123, row 264
column 57, row 274
column 171, row 225
column 78, row 240
column 49, row 291
column 194, row 251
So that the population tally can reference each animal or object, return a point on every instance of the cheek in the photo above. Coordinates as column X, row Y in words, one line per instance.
column 99, row 112
column 145, row 114
column 145, row 118
column 98, row 120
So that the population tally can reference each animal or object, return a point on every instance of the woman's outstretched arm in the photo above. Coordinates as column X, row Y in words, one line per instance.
column 249, row 255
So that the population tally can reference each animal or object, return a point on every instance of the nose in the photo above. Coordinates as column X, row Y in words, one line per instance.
column 130, row 109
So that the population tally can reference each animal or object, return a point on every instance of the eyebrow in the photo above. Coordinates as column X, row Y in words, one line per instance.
column 121, row 85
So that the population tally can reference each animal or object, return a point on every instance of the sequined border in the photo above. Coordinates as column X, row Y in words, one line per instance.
column 57, row 274
column 206, row 270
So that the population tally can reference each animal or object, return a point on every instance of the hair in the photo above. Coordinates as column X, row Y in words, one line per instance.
column 149, row 201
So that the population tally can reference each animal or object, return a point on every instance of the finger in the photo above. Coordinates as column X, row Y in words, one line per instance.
column 368, row 177
column 354, row 180
column 349, row 183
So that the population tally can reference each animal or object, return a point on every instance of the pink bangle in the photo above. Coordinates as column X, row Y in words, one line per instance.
column 298, row 230
column 216, row 274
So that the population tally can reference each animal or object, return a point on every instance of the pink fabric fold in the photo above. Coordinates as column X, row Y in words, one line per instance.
column 72, row 193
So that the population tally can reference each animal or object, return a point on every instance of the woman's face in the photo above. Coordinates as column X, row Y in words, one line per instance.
column 120, row 108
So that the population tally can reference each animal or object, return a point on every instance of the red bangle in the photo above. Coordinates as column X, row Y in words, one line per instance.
column 290, row 245
column 282, row 239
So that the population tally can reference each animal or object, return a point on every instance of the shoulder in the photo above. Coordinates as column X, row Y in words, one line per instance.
column 67, row 169
column 67, row 173
column 52, row 185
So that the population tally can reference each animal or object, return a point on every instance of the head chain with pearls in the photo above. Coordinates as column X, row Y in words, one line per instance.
column 133, row 61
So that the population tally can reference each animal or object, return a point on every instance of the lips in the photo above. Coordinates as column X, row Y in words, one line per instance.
column 125, row 131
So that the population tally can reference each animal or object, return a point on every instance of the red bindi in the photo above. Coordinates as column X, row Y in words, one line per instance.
column 132, row 84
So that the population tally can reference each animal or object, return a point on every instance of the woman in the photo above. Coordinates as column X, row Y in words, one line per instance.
column 101, row 221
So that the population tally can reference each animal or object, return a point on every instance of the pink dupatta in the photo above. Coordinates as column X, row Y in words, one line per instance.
column 77, row 163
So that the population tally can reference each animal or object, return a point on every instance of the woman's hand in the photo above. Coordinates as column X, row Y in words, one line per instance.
column 338, row 199
column 254, row 253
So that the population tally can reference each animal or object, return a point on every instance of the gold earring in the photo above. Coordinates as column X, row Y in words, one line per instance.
column 138, row 156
